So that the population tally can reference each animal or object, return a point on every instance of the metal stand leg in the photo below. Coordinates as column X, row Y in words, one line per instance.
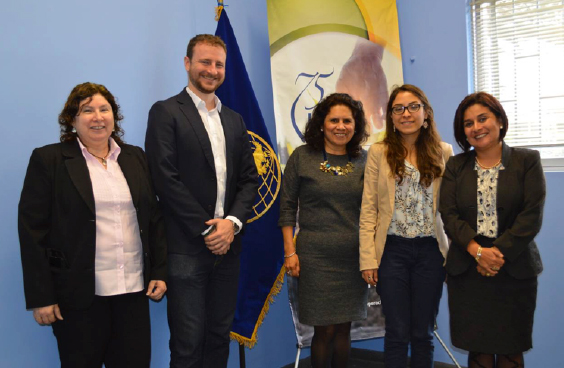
column 298, row 357
column 446, row 349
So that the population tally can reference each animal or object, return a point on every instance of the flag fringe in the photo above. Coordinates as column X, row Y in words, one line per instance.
column 250, row 342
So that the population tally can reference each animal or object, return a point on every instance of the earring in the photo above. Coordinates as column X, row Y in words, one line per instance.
column 321, row 129
column 394, row 128
column 501, row 127
column 73, row 130
column 425, row 124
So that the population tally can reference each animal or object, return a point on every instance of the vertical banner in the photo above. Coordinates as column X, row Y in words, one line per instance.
column 318, row 47
column 262, row 258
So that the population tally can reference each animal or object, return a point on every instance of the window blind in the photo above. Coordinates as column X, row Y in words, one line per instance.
column 518, row 56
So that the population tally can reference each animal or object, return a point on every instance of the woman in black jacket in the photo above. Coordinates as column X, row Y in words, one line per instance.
column 492, row 200
column 92, row 237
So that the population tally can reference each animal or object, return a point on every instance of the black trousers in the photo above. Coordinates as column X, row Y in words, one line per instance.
column 114, row 331
column 201, row 302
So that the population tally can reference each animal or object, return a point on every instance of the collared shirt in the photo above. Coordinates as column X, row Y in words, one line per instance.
column 119, row 252
column 214, row 128
column 413, row 207
column 487, row 200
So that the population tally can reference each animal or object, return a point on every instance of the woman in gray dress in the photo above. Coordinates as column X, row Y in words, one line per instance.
column 325, row 177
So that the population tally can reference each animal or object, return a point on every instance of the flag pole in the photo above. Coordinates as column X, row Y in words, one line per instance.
column 218, row 9
column 242, row 356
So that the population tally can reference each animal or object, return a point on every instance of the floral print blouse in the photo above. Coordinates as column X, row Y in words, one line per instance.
column 487, row 203
column 413, row 207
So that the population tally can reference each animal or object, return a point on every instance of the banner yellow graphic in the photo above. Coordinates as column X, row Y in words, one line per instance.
column 320, row 47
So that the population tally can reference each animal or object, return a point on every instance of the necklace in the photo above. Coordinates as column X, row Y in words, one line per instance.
column 105, row 158
column 337, row 170
column 486, row 167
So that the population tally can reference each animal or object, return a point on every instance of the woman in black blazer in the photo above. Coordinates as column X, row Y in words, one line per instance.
column 492, row 200
column 92, row 237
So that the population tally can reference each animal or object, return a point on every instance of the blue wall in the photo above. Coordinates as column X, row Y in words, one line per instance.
column 136, row 48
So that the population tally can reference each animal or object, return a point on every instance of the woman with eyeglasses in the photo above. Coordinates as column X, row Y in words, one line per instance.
column 492, row 202
column 402, row 243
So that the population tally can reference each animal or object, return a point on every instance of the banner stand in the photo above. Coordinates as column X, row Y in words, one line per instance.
column 298, row 356
column 446, row 348
column 297, row 362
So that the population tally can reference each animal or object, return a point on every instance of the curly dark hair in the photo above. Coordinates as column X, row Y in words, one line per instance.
column 486, row 100
column 71, row 110
column 315, row 137
column 428, row 143
column 207, row 39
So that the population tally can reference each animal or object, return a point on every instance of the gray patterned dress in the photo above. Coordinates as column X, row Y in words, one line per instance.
column 331, row 288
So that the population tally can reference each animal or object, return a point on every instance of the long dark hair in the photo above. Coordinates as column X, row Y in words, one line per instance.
column 428, row 143
column 314, row 136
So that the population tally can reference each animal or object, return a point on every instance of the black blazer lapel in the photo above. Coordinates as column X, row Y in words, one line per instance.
column 229, row 142
column 504, row 187
column 130, row 171
column 503, row 177
column 195, row 121
column 78, row 172
column 469, row 181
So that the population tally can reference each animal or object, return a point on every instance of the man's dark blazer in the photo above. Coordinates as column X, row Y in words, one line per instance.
column 521, row 192
column 57, row 219
column 182, row 166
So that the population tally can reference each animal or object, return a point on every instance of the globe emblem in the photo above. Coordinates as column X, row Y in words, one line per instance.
column 269, row 173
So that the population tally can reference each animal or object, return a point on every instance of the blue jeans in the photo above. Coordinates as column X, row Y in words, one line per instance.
column 410, row 284
column 201, row 302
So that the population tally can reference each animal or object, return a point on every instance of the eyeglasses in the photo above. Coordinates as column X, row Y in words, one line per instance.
column 414, row 107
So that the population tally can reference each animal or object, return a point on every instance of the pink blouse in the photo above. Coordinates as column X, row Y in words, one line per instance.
column 119, row 253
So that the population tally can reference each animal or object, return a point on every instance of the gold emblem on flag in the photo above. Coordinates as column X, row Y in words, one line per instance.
column 268, row 169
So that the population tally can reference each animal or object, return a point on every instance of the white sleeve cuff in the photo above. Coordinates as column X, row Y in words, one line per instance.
column 236, row 221
column 207, row 231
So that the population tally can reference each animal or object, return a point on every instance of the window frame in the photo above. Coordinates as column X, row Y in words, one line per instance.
column 552, row 164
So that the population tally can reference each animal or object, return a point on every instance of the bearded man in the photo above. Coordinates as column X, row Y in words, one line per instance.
column 204, row 174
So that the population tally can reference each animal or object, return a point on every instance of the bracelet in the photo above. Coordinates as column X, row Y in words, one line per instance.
column 289, row 255
column 479, row 254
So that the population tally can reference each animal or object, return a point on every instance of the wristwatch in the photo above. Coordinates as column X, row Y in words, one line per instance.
column 236, row 227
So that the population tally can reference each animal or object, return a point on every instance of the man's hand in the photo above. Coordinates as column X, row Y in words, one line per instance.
column 156, row 289
column 219, row 241
column 47, row 315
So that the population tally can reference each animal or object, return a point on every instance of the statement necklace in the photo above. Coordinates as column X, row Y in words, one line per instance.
column 337, row 170
column 486, row 167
